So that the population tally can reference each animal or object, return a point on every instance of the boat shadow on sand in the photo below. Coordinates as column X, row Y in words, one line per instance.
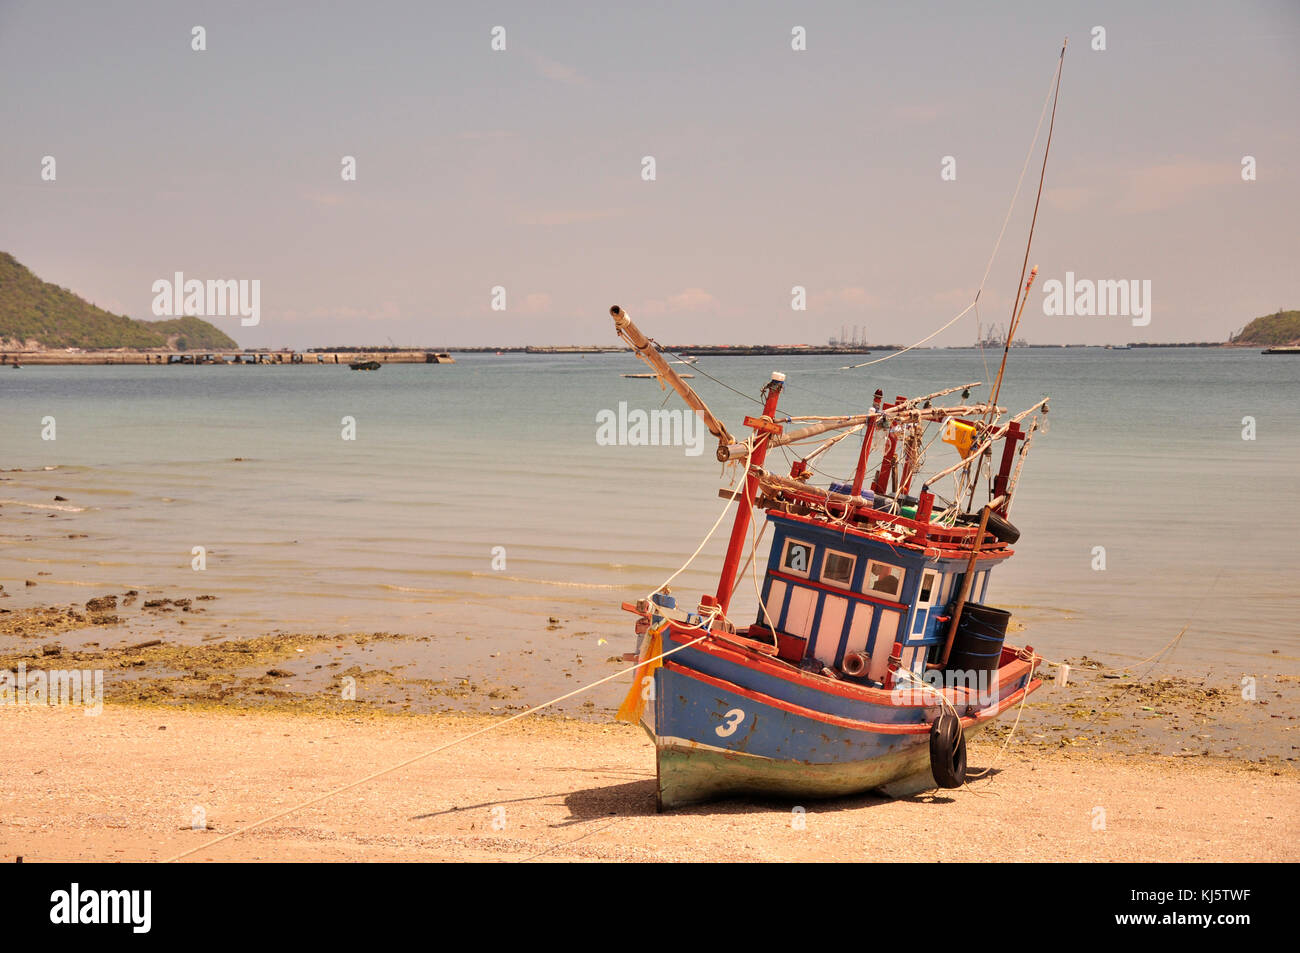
column 637, row 799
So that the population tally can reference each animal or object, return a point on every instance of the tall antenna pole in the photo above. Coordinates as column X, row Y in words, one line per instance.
column 1022, row 289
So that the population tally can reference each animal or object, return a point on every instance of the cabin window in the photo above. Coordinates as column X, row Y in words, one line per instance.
column 884, row 580
column 838, row 568
column 797, row 557
column 926, row 595
column 929, row 588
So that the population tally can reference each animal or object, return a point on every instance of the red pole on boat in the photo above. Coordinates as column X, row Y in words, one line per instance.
column 924, row 508
column 740, row 529
column 861, row 473
column 1000, row 482
column 881, row 483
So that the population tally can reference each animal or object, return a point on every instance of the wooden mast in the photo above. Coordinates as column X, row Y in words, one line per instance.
column 646, row 350
column 764, row 428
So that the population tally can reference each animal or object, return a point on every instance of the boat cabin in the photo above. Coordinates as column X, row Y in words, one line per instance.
column 830, row 592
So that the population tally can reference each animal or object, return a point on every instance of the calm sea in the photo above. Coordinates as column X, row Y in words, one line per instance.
column 397, row 529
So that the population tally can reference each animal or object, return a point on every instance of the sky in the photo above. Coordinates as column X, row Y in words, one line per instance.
column 774, row 168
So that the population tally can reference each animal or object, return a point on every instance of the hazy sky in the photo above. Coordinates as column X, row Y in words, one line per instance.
column 774, row 168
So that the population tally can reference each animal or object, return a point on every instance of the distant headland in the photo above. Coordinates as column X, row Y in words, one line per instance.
column 36, row 315
column 1281, row 329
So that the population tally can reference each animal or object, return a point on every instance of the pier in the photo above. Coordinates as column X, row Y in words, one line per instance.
column 344, row 357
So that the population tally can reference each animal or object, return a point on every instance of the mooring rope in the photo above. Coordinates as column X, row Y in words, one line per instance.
column 740, row 482
column 1153, row 659
column 706, row 621
column 1006, row 742
column 432, row 751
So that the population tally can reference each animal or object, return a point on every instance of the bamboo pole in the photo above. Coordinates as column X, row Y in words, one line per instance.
column 737, row 450
column 646, row 350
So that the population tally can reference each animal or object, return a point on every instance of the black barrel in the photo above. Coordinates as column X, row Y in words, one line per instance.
column 980, row 634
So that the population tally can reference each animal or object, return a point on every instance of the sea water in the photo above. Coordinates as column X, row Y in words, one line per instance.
column 473, row 501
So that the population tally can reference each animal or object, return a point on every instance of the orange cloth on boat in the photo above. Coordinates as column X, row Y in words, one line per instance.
column 633, row 706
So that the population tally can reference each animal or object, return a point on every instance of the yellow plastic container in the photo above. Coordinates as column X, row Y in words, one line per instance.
column 960, row 435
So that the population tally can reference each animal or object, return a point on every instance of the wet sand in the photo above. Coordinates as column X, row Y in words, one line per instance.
column 134, row 782
column 136, row 640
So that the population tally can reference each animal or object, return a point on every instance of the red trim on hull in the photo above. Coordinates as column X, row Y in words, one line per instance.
column 881, row 728
column 1007, row 672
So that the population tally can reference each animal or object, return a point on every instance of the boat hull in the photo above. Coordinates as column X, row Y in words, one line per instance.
column 716, row 735
column 691, row 773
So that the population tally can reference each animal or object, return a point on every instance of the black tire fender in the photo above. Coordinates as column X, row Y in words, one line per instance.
column 1003, row 529
column 948, row 751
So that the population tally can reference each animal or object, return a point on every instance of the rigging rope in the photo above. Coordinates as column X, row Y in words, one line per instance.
column 715, row 380
column 1022, row 288
column 704, row 624
column 998, row 244
column 750, row 445
column 432, row 751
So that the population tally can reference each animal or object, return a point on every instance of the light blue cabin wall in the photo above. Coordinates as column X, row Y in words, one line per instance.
column 863, row 551
column 931, row 631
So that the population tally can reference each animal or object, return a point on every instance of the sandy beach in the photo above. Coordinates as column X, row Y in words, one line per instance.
column 194, row 741
column 129, row 784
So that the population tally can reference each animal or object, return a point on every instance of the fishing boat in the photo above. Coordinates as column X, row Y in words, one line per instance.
column 365, row 365
column 874, row 652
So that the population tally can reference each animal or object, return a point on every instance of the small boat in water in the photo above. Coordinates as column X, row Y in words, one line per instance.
column 365, row 365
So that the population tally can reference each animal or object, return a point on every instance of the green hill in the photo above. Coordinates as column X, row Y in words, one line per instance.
column 1270, row 330
column 35, row 312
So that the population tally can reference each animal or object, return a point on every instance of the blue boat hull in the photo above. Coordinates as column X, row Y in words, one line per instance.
column 718, row 737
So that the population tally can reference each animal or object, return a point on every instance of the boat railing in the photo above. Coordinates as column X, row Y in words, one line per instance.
column 856, row 511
